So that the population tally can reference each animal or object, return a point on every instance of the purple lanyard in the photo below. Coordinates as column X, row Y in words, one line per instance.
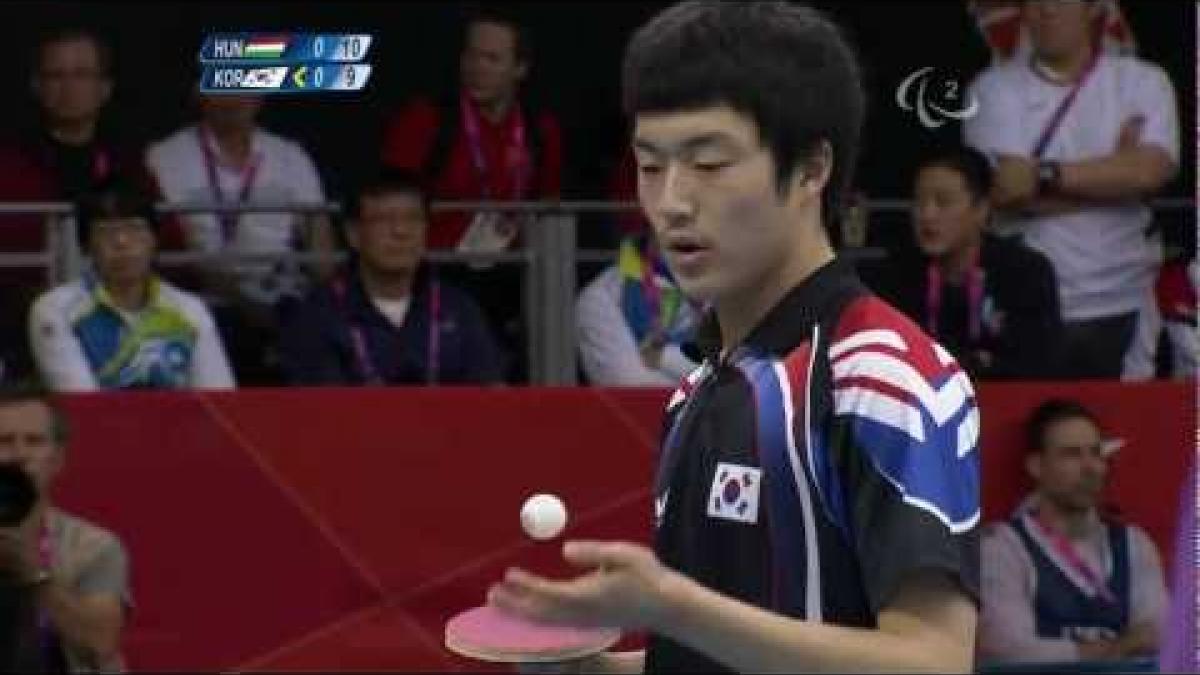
column 515, row 148
column 1060, row 114
column 362, row 353
column 228, row 220
column 1068, row 553
column 46, row 560
column 933, row 299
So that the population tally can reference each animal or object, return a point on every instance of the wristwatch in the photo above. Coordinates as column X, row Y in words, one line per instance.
column 1049, row 176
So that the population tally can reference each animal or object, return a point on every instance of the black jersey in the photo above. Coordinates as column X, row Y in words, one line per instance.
column 817, row 464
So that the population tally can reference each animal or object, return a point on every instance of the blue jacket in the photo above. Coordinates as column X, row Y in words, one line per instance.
column 337, row 336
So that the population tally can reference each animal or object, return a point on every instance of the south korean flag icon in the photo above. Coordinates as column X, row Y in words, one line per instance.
column 734, row 494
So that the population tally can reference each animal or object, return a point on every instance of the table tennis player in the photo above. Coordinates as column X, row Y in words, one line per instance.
column 817, row 497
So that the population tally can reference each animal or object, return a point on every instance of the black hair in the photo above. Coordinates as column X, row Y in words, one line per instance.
column 114, row 197
column 786, row 66
column 32, row 390
column 55, row 35
column 522, row 39
column 388, row 180
column 967, row 162
column 1049, row 413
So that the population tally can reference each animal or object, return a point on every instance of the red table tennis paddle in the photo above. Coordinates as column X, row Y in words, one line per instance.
column 488, row 634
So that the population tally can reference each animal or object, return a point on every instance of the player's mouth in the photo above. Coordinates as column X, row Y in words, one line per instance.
column 687, row 253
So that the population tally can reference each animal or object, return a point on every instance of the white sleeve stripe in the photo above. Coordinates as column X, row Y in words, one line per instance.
column 942, row 404
column 882, row 408
column 887, row 338
column 968, row 432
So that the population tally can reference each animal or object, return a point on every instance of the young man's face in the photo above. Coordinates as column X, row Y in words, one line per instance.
column 707, row 185
column 1058, row 28
column 122, row 249
column 489, row 65
column 390, row 233
column 946, row 217
column 1072, row 467
column 70, row 82
column 27, row 439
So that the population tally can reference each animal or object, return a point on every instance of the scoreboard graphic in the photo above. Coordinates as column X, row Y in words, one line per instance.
column 284, row 63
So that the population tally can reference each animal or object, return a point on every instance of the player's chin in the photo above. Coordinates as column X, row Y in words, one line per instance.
column 701, row 287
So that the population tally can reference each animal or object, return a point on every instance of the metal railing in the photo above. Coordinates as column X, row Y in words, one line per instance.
column 549, row 257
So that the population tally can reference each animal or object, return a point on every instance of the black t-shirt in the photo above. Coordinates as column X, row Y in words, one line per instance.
column 819, row 464
column 1018, row 324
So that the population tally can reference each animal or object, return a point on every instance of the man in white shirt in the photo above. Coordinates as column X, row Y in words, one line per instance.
column 1062, row 581
column 227, row 158
column 1079, row 140
column 633, row 321
column 120, row 326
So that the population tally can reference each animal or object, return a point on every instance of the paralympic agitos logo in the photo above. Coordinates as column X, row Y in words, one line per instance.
column 936, row 98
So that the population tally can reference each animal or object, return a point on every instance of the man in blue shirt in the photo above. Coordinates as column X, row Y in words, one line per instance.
column 386, row 318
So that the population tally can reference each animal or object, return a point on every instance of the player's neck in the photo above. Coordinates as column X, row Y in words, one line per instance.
column 129, row 296
column 739, row 315
column 233, row 143
column 387, row 285
column 956, row 264
column 73, row 132
column 1074, row 523
column 1066, row 68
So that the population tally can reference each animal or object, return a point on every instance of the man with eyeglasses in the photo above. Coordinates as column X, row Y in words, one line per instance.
column 70, row 150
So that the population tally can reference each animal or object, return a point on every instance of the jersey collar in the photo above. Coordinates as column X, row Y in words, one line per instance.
column 791, row 320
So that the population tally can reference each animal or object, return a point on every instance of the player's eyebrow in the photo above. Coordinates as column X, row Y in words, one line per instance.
column 711, row 139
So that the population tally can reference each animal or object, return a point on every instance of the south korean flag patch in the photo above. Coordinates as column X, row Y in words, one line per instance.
column 734, row 494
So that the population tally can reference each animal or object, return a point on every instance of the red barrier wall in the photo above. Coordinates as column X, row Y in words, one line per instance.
column 339, row 529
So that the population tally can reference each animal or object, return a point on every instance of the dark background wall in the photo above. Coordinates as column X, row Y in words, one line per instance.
column 576, row 70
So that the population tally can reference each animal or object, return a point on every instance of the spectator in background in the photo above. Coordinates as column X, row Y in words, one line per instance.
column 227, row 158
column 69, row 150
column 486, row 141
column 121, row 326
column 992, row 302
column 634, row 323
column 76, row 573
column 1079, row 139
column 1063, row 581
column 387, row 319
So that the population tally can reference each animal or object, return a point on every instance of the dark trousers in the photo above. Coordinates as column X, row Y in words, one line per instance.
column 20, row 649
column 1095, row 348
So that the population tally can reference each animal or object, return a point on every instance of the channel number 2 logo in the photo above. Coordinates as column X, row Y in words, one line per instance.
column 935, row 99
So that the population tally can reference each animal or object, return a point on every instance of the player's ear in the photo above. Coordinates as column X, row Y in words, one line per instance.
column 811, row 174
column 1033, row 465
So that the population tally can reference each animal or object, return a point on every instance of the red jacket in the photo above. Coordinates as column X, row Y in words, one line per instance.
column 408, row 141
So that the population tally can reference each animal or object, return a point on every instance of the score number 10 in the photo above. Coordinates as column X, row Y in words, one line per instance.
column 339, row 48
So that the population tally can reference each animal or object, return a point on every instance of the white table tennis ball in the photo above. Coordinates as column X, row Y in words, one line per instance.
column 543, row 516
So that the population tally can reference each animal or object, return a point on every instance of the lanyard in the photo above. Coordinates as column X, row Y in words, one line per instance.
column 515, row 154
column 49, row 639
column 1057, row 118
column 933, row 298
column 228, row 220
column 358, row 339
column 1067, row 552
